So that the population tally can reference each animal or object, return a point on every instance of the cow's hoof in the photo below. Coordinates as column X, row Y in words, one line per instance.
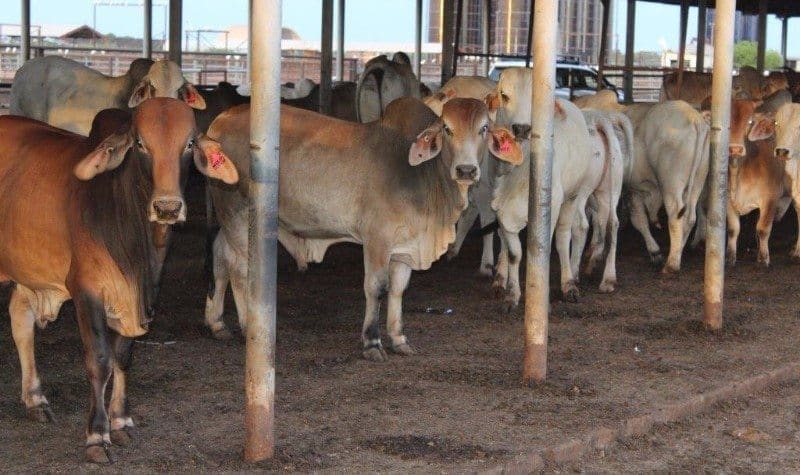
column 498, row 291
column 571, row 292
column 375, row 353
column 451, row 254
column 41, row 413
column 486, row 271
column 730, row 261
column 98, row 454
column 121, row 437
column 656, row 257
column 403, row 349
column 763, row 262
column 608, row 286
column 223, row 334
column 669, row 270
column 509, row 304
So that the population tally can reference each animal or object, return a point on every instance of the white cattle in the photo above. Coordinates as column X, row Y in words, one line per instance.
column 787, row 147
column 383, row 81
column 577, row 172
column 669, row 168
column 68, row 95
column 301, row 88
column 605, row 99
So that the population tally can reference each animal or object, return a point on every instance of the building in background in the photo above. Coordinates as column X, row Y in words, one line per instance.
column 745, row 27
column 579, row 26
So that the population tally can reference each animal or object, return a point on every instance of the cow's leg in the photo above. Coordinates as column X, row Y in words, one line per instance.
column 513, row 292
column 118, row 412
column 795, row 254
column 376, row 282
column 487, row 254
column 565, row 222
column 700, row 229
column 23, row 318
column 766, row 216
column 579, row 231
column 98, row 356
column 500, row 281
column 597, row 216
column 238, row 276
column 218, row 285
column 677, row 233
column 463, row 226
column 641, row 224
column 609, row 282
column 399, row 275
column 734, row 226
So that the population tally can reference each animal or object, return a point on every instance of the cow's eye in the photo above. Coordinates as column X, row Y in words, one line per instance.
column 504, row 96
column 190, row 144
column 139, row 143
column 750, row 122
column 447, row 129
column 484, row 129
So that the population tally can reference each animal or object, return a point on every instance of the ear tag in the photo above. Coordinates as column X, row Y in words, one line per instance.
column 216, row 160
column 190, row 97
column 505, row 145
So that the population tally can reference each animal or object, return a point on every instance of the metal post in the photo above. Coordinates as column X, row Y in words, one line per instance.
column 175, row 25
column 25, row 32
column 147, row 37
column 326, row 58
column 487, row 33
column 629, row 32
column 265, row 35
column 762, row 35
column 701, row 36
column 529, row 40
column 784, row 32
column 537, row 277
column 459, row 20
column 418, row 40
column 603, row 56
column 718, row 170
column 682, row 47
column 448, row 51
column 340, row 43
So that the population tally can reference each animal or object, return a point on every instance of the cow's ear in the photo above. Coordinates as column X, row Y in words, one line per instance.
column 106, row 156
column 189, row 95
column 427, row 145
column 763, row 127
column 212, row 161
column 144, row 90
column 492, row 101
column 503, row 145
column 706, row 114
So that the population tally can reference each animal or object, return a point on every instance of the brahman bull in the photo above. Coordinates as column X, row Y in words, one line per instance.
column 365, row 183
column 577, row 171
column 67, row 94
column 748, row 84
column 787, row 147
column 86, row 237
column 383, row 81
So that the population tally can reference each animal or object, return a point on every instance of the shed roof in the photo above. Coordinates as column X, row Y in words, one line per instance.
column 781, row 8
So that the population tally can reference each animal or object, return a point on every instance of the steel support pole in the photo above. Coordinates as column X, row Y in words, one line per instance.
column 25, row 32
column 784, row 33
column 529, row 41
column 537, row 276
column 175, row 35
column 701, row 36
column 326, row 58
column 603, row 56
column 486, row 30
column 265, row 35
column 448, row 35
column 340, row 42
column 457, row 38
column 682, row 47
column 718, row 170
column 762, row 35
column 147, row 36
column 629, row 35
column 418, row 40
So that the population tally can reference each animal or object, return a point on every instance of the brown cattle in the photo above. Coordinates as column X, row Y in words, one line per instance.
column 756, row 178
column 218, row 100
column 697, row 86
column 85, row 236
column 343, row 101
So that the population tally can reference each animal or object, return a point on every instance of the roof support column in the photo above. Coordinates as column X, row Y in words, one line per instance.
column 602, row 57
column 701, row 35
column 340, row 42
column 175, row 25
column 265, row 36
column 537, row 276
column 448, row 36
column 147, row 36
column 762, row 35
column 418, row 40
column 784, row 32
column 682, row 39
column 326, row 57
column 25, row 32
column 629, row 35
column 718, row 169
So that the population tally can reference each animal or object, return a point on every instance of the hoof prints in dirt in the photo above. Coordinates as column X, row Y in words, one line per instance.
column 735, row 328
column 432, row 449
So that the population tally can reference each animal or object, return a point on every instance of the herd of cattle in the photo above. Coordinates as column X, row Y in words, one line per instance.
column 398, row 169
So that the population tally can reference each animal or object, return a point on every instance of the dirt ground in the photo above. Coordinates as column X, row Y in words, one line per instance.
column 459, row 405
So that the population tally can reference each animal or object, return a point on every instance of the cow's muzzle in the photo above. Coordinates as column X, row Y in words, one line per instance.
column 782, row 153
column 736, row 150
column 466, row 172
column 168, row 210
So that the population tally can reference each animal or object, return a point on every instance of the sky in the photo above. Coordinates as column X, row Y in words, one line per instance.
column 366, row 20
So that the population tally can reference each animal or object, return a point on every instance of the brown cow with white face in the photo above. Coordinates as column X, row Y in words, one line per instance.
column 86, row 237
column 395, row 190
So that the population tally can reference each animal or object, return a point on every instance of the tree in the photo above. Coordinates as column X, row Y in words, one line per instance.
column 745, row 53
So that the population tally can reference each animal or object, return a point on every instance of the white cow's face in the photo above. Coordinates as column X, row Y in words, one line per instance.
column 787, row 131
column 513, row 96
column 165, row 79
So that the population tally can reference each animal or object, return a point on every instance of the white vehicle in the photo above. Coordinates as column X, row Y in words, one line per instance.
column 573, row 78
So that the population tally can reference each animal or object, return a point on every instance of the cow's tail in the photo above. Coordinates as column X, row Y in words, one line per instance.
column 700, row 148
column 606, row 129
column 664, row 93
column 627, row 127
column 375, row 67
column 208, row 265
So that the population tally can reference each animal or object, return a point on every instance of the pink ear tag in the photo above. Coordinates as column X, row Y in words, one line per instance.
column 505, row 145
column 216, row 159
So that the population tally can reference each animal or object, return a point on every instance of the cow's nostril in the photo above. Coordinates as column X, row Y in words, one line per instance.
column 466, row 171
column 167, row 209
column 782, row 152
column 736, row 150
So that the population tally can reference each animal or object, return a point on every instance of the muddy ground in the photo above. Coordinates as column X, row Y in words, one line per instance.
column 459, row 405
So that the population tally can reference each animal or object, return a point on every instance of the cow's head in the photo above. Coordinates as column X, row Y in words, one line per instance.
column 163, row 135
column 776, row 81
column 462, row 135
column 787, row 131
column 165, row 79
column 746, row 124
